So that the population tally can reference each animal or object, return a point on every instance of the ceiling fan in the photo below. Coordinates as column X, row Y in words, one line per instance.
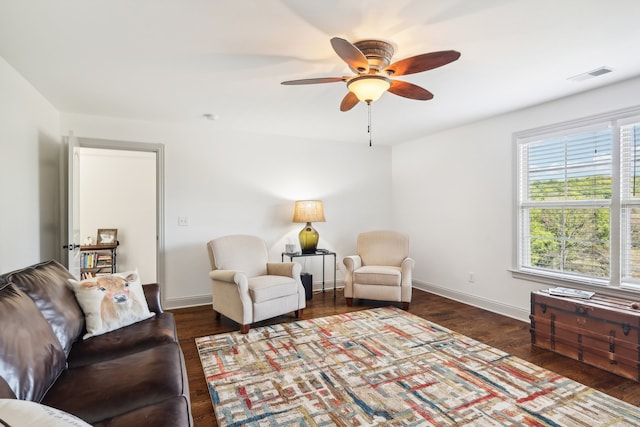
column 371, row 60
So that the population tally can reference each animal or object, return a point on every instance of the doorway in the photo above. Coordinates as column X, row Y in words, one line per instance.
column 118, row 185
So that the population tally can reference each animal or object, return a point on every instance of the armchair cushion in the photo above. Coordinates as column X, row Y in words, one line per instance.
column 265, row 288
column 239, row 253
column 378, row 275
column 383, row 247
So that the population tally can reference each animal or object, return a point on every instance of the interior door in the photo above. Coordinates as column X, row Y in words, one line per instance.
column 73, row 205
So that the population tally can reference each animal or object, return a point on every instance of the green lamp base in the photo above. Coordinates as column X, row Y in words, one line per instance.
column 308, row 239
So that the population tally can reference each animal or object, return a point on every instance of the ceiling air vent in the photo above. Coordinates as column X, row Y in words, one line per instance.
column 590, row 74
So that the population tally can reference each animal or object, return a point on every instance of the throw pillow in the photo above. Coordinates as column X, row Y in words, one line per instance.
column 31, row 357
column 14, row 412
column 111, row 302
column 47, row 285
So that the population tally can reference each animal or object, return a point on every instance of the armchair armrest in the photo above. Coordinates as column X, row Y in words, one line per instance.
column 407, row 266
column 288, row 269
column 152, row 295
column 407, row 271
column 352, row 262
column 232, row 277
column 223, row 275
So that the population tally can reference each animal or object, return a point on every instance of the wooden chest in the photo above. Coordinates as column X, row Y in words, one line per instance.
column 601, row 331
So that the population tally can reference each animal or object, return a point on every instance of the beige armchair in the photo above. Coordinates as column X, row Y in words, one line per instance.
column 246, row 287
column 381, row 270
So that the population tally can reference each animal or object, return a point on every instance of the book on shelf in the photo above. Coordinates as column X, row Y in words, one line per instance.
column 95, row 260
column 569, row 292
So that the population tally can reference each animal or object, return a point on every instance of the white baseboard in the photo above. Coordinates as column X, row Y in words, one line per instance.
column 184, row 302
column 328, row 285
column 194, row 301
column 486, row 304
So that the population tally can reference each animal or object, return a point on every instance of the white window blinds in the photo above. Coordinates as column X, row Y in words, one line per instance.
column 630, row 202
column 578, row 201
column 565, row 198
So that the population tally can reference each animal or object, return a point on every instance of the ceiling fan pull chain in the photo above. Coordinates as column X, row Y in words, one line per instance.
column 369, row 125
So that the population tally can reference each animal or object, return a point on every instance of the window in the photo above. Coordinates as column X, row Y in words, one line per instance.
column 578, row 202
column 630, row 203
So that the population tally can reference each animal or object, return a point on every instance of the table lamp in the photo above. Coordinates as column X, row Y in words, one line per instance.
column 308, row 211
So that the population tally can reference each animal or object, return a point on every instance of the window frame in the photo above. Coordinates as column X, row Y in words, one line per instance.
column 615, row 120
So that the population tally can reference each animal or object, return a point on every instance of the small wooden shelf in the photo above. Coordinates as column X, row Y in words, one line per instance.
column 97, row 259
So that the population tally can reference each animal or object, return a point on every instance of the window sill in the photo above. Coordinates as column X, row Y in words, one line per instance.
column 602, row 287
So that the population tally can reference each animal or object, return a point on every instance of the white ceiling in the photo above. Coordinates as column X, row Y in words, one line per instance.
column 175, row 60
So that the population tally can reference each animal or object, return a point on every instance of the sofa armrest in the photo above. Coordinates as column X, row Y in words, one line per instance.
column 152, row 295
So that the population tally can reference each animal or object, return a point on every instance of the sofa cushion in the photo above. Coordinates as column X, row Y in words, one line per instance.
column 378, row 275
column 148, row 333
column 111, row 302
column 107, row 389
column 168, row 413
column 5, row 390
column 16, row 412
column 265, row 288
column 47, row 285
column 32, row 357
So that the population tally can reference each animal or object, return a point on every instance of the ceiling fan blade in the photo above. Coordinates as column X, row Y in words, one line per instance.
column 350, row 54
column 409, row 90
column 349, row 101
column 314, row 81
column 424, row 62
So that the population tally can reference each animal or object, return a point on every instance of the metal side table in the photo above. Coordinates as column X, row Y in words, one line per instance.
column 320, row 252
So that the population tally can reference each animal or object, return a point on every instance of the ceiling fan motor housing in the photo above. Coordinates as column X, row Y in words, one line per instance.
column 378, row 54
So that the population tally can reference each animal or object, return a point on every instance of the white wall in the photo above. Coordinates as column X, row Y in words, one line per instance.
column 452, row 191
column 29, row 182
column 461, row 215
column 118, row 190
column 239, row 181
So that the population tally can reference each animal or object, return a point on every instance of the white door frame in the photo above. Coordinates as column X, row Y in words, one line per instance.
column 158, row 149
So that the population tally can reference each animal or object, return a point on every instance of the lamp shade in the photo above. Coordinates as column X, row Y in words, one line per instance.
column 369, row 88
column 308, row 211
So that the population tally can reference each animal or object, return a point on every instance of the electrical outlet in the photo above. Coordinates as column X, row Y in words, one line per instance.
column 472, row 277
column 183, row 221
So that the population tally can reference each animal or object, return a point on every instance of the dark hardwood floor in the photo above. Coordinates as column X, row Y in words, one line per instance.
column 498, row 331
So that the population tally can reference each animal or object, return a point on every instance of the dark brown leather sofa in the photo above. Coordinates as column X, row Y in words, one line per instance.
column 133, row 376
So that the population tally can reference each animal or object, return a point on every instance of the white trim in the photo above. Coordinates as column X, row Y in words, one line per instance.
column 556, row 279
column 158, row 149
column 194, row 301
column 184, row 302
column 483, row 303
column 621, row 114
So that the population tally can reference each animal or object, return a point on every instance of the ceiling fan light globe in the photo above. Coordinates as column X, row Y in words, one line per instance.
column 369, row 88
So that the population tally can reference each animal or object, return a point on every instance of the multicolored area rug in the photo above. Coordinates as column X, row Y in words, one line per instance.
column 385, row 366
